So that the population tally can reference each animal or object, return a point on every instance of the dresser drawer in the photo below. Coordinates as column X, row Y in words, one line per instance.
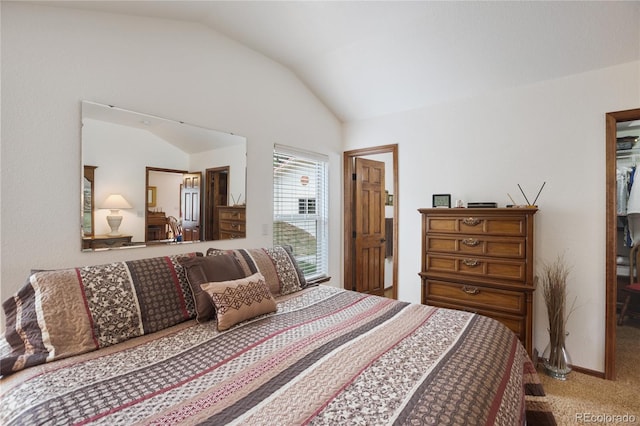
column 476, row 296
column 510, row 247
column 482, row 225
column 515, row 323
column 232, row 214
column 232, row 226
column 106, row 241
column 479, row 267
column 225, row 235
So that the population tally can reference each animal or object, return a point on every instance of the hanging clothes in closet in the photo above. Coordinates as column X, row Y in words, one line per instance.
column 632, row 208
column 623, row 184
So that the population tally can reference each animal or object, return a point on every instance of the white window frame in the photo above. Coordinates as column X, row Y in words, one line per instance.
column 300, row 175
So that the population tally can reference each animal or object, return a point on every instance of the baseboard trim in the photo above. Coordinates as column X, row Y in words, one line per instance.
column 598, row 374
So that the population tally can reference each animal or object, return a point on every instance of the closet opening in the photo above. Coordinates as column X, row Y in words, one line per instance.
column 621, row 165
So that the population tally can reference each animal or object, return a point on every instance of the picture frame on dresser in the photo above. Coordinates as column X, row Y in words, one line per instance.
column 441, row 200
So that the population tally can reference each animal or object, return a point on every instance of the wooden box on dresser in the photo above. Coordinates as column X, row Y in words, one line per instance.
column 481, row 260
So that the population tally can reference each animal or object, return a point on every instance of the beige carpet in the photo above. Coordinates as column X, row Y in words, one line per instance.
column 584, row 399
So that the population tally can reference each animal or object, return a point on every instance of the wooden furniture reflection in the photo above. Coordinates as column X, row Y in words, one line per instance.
column 156, row 226
column 632, row 290
column 481, row 260
column 105, row 241
column 216, row 188
column 232, row 222
column 88, row 202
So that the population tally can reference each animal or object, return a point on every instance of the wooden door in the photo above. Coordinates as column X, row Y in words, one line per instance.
column 190, row 206
column 369, row 229
column 217, row 188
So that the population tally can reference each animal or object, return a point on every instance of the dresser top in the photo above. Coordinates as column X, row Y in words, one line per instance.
column 463, row 211
column 236, row 206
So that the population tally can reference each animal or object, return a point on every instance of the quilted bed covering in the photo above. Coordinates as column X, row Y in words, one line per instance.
column 327, row 356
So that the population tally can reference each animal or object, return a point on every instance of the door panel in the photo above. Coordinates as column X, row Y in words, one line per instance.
column 369, row 226
column 190, row 206
column 217, row 188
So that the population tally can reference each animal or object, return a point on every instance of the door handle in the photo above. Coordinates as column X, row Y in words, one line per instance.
column 471, row 242
column 470, row 290
column 382, row 240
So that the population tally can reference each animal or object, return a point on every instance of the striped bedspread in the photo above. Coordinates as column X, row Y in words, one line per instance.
column 327, row 356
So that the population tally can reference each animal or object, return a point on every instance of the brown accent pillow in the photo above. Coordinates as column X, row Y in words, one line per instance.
column 240, row 300
column 202, row 270
column 278, row 265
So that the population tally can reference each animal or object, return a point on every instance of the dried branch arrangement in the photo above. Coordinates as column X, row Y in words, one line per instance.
column 554, row 287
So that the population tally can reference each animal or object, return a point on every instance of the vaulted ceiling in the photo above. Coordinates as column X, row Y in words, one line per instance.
column 370, row 58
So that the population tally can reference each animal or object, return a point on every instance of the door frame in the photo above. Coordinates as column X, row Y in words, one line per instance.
column 612, row 119
column 146, row 185
column 209, row 197
column 349, row 188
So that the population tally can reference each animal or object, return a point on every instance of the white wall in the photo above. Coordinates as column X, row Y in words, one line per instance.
column 53, row 58
column 479, row 150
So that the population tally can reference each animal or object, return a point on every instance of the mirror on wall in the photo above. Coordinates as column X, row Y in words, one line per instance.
column 149, row 180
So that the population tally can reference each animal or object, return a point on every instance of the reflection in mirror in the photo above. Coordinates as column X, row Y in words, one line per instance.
column 87, row 200
column 628, row 193
column 178, row 178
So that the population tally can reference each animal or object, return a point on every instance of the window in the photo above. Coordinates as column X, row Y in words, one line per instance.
column 300, row 207
column 306, row 206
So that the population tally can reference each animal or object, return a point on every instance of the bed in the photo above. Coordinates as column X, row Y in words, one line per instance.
column 317, row 355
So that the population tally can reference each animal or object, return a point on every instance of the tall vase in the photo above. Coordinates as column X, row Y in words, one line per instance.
column 556, row 360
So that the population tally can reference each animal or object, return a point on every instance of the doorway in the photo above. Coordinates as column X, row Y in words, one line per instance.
column 612, row 120
column 216, row 194
column 353, row 261
column 162, row 187
column 173, row 196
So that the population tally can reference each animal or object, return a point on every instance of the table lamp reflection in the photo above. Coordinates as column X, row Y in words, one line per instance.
column 115, row 202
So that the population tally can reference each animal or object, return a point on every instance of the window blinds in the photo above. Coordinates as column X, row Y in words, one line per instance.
column 301, row 208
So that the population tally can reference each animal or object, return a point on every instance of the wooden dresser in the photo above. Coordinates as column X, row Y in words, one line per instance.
column 156, row 226
column 232, row 222
column 481, row 260
column 105, row 241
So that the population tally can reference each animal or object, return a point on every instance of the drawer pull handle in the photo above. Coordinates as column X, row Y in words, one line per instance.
column 471, row 221
column 470, row 290
column 471, row 262
column 471, row 242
